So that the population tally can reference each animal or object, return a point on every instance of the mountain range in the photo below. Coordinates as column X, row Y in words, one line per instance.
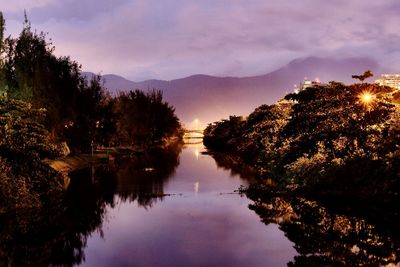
column 209, row 98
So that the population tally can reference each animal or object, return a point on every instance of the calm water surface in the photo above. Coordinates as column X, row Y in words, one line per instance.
column 177, row 207
column 202, row 223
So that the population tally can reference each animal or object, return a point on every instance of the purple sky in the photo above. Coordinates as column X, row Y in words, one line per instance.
column 168, row 39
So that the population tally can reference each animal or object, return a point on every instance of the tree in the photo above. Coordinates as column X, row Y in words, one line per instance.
column 35, row 75
column 225, row 134
column 78, row 111
column 2, row 29
column 2, row 50
column 323, row 138
column 90, row 112
column 367, row 74
column 143, row 119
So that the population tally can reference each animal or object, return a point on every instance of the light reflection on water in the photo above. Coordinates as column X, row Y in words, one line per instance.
column 178, row 208
column 197, row 225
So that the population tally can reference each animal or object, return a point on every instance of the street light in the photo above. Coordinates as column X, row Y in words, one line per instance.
column 196, row 124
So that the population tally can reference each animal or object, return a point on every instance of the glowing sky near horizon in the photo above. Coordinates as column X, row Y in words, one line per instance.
column 168, row 39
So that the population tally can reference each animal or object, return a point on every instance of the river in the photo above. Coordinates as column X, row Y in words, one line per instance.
column 180, row 207
column 201, row 222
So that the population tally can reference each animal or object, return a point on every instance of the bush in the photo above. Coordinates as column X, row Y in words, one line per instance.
column 24, row 180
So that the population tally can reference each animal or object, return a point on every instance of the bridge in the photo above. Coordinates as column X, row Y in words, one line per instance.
column 189, row 131
column 193, row 136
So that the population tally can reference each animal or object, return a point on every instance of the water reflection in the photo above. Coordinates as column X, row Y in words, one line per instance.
column 330, row 232
column 141, row 178
column 324, row 237
column 196, row 187
column 234, row 164
column 57, row 235
column 204, row 223
column 120, row 215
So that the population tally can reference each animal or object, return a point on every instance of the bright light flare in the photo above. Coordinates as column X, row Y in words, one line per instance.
column 366, row 98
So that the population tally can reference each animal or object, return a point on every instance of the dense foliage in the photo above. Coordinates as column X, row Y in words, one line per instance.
column 326, row 138
column 24, row 180
column 31, row 72
column 78, row 111
column 143, row 118
column 35, row 75
column 45, row 100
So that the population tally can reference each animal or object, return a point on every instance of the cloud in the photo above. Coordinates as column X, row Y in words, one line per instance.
column 173, row 38
column 44, row 10
column 17, row 6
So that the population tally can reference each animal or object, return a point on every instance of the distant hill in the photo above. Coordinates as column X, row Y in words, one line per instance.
column 210, row 98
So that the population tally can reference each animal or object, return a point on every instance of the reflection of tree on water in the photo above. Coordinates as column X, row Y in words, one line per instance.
column 234, row 164
column 142, row 177
column 339, row 232
column 57, row 235
column 326, row 238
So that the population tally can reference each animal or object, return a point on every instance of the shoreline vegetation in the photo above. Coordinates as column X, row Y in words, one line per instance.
column 52, row 118
column 329, row 140
column 101, row 155
column 327, row 171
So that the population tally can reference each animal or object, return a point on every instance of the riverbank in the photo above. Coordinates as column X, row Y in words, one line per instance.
column 72, row 163
column 68, row 164
column 324, row 140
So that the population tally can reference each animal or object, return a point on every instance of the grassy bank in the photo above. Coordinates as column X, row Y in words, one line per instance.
column 72, row 163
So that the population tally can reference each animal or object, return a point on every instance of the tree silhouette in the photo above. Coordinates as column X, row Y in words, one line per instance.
column 320, row 139
column 367, row 74
column 30, row 71
column 2, row 28
column 144, row 119
column 2, row 46
column 78, row 111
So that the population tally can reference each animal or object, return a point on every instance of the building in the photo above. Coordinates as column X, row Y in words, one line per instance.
column 306, row 84
column 391, row 80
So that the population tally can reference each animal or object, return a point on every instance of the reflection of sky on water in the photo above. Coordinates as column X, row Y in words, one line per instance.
column 198, row 226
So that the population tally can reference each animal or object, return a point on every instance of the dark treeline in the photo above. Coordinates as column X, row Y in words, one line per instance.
column 329, row 139
column 45, row 102
column 78, row 111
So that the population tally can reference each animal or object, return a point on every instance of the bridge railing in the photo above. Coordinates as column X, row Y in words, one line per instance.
column 194, row 131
